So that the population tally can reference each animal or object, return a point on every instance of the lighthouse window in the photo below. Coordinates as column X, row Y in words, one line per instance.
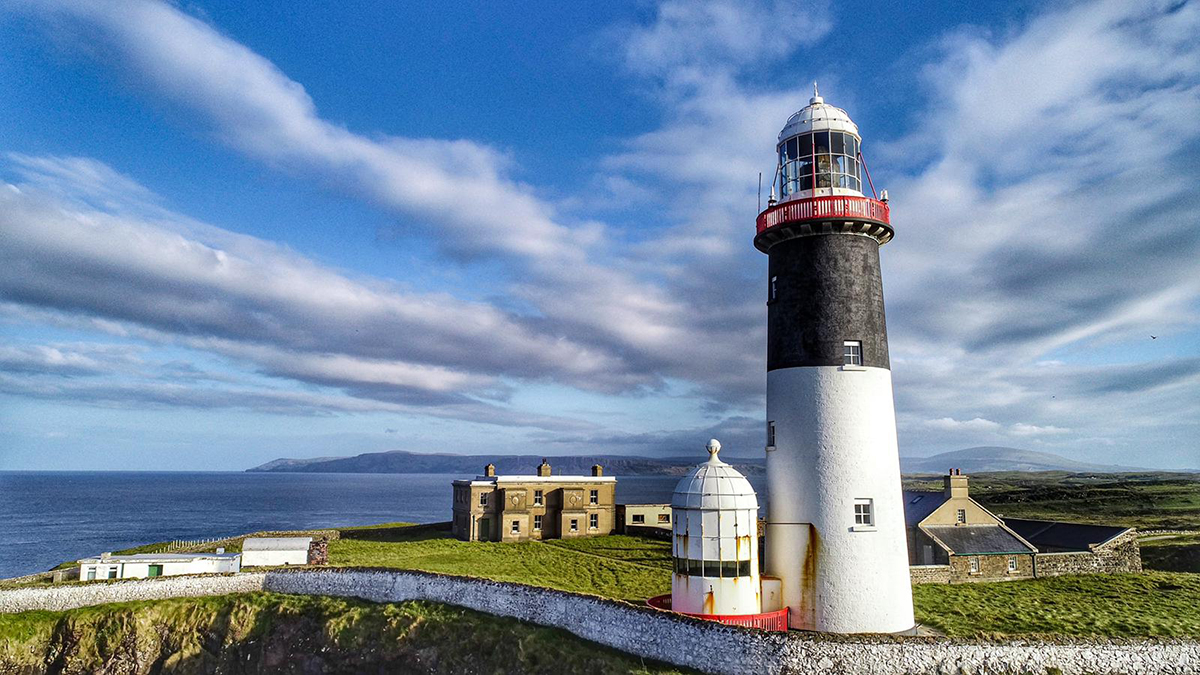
column 837, row 143
column 863, row 512
column 774, row 287
column 852, row 353
column 771, row 433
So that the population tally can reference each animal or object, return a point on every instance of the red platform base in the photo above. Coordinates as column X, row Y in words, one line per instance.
column 777, row 620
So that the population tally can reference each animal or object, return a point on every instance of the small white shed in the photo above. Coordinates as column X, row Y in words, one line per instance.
column 143, row 565
column 274, row 551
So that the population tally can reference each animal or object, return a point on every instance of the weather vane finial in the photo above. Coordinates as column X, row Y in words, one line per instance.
column 816, row 95
column 815, row 92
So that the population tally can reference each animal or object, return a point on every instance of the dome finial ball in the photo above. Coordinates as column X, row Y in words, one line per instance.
column 714, row 446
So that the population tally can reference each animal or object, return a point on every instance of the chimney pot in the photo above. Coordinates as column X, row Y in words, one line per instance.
column 597, row 470
column 544, row 469
column 489, row 470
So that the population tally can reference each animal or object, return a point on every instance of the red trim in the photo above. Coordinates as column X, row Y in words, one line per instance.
column 823, row 208
column 775, row 621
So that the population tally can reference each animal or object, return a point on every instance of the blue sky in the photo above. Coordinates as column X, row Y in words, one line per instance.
column 236, row 231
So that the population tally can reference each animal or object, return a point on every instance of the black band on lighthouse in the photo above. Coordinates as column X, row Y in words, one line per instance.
column 827, row 290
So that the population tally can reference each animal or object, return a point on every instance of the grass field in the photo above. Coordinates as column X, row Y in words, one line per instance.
column 1155, row 500
column 1159, row 604
column 264, row 632
column 607, row 571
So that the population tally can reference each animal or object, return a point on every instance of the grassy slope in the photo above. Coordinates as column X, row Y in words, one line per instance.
column 534, row 563
column 263, row 632
column 1114, row 605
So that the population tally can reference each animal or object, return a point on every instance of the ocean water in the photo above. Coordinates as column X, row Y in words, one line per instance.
column 49, row 517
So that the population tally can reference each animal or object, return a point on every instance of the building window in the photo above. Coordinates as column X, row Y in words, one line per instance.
column 537, row 497
column 664, row 518
column 594, row 497
column 483, row 498
column 863, row 512
column 574, row 525
column 91, row 574
column 537, row 523
column 594, row 521
column 774, row 288
column 974, row 562
column 1012, row 564
column 639, row 519
column 112, row 573
column 771, row 434
column 516, row 526
column 852, row 353
column 960, row 516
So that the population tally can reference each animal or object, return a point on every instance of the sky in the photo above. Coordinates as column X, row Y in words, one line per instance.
column 233, row 231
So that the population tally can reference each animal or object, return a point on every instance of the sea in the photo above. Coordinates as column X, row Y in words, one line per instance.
column 50, row 517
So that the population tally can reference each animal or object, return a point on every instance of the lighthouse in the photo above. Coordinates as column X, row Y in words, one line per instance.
column 835, row 532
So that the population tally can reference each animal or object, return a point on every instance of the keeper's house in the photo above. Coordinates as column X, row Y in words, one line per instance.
column 545, row 506
column 143, row 565
column 954, row 539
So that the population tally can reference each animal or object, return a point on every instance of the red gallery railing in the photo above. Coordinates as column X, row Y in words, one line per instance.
column 776, row 621
column 817, row 208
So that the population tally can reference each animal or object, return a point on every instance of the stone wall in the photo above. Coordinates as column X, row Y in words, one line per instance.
column 703, row 645
column 1122, row 554
column 991, row 568
column 70, row 596
column 930, row 574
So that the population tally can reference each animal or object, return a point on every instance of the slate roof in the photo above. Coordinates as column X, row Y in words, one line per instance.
column 977, row 539
column 1054, row 537
column 918, row 505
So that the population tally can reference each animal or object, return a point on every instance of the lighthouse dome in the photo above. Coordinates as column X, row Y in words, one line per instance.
column 817, row 116
column 714, row 485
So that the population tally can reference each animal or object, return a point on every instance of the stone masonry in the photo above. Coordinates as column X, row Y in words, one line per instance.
column 654, row 634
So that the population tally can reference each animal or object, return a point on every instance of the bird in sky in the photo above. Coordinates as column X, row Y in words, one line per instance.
column 1153, row 337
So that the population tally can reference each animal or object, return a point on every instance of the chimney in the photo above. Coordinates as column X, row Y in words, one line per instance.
column 544, row 468
column 489, row 470
column 597, row 470
column 955, row 484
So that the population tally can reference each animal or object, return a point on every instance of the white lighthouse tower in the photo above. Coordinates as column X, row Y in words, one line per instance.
column 835, row 521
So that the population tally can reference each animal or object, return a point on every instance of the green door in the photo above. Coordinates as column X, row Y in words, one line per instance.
column 155, row 571
column 485, row 529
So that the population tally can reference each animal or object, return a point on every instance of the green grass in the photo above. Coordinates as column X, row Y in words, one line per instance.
column 1176, row 554
column 263, row 632
column 640, row 550
column 1153, row 604
column 535, row 563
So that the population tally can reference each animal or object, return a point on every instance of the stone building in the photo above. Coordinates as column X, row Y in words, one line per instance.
column 545, row 506
column 1075, row 548
column 952, row 538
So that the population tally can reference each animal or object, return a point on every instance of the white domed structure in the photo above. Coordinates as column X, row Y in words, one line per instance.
column 715, row 533
column 819, row 153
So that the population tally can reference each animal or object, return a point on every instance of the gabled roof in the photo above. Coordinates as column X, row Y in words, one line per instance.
column 918, row 505
column 1051, row 536
column 976, row 539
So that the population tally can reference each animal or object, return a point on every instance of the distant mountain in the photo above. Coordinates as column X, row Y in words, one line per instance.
column 991, row 458
column 398, row 461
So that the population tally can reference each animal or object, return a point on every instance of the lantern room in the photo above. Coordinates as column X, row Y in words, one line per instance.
column 819, row 153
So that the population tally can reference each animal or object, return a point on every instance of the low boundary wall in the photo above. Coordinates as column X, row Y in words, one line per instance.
column 654, row 634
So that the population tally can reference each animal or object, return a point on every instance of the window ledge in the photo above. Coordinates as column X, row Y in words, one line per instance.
column 770, row 448
column 853, row 368
column 863, row 528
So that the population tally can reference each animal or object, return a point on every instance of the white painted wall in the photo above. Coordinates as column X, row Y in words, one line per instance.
column 268, row 558
column 835, row 441
column 141, row 570
column 707, row 534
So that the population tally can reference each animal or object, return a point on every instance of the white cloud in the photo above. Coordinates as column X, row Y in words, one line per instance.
column 977, row 424
column 1022, row 429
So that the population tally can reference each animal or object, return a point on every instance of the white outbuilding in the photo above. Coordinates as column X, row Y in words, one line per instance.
column 715, row 541
column 144, row 565
column 275, row 551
